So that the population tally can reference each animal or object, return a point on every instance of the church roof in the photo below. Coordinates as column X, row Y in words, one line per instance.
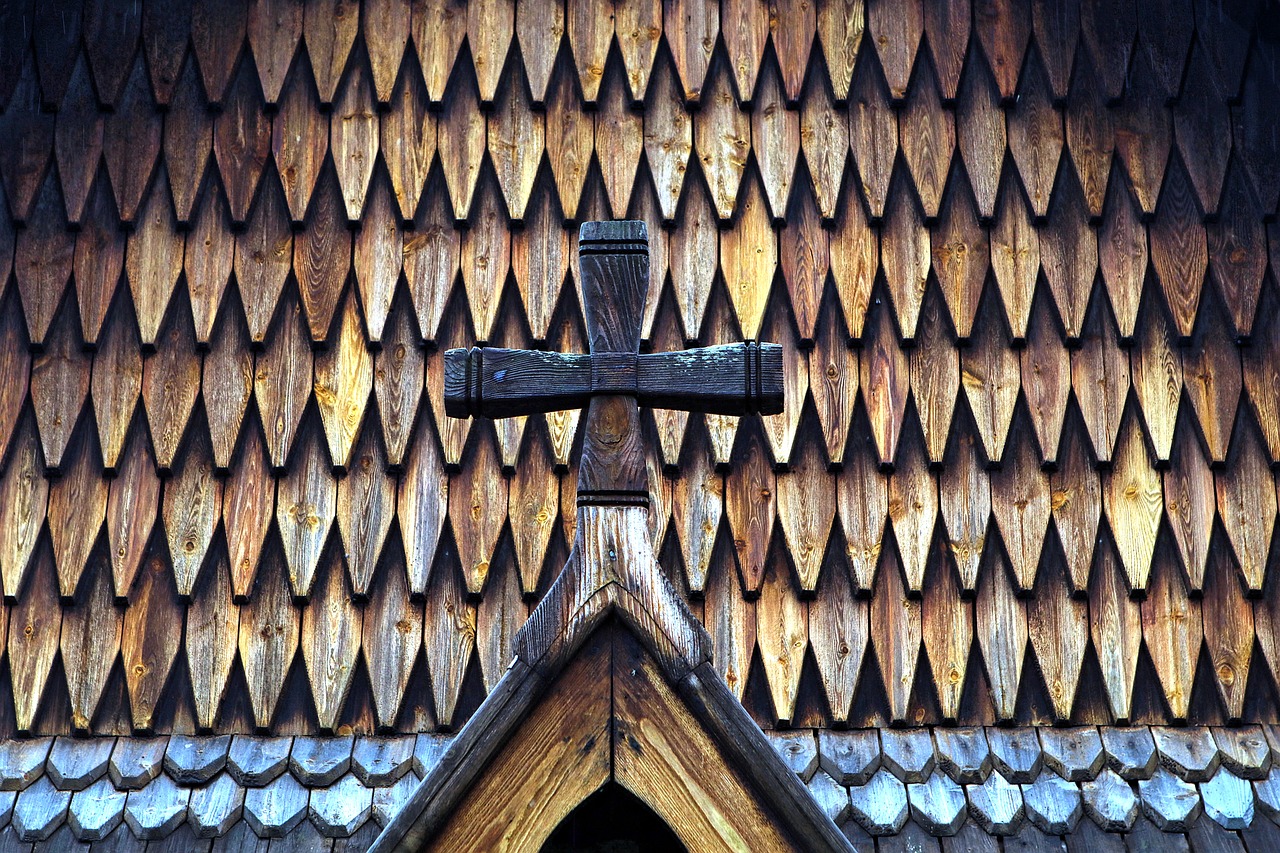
column 1019, row 257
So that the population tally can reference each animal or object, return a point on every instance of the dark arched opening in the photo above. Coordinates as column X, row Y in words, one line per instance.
column 613, row 820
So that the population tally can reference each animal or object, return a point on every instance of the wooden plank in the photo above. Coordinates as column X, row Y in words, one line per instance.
column 1173, row 631
column 1212, row 377
column 1058, row 626
column 269, row 632
column 873, row 131
column 913, row 508
column 213, row 623
column 343, row 384
column 263, row 254
column 1179, row 249
column 776, row 140
column 570, row 141
column 27, row 132
column 620, row 131
column 1046, row 379
column 114, row 385
column 961, row 257
column 226, row 385
column 782, row 631
column 1076, row 504
column 1198, row 119
column 1144, row 132
column 833, row 380
column 366, row 503
column 804, row 259
column 1035, row 130
column 896, row 30
column 663, row 771
column 1021, row 501
column 905, row 257
column 539, row 28
column 745, row 27
column 573, row 748
column 131, row 143
column 516, row 137
column 35, row 622
column 399, row 370
column 1189, row 498
column 750, row 501
column 693, row 258
column 59, row 385
column 490, row 25
column 408, row 142
column 928, row 140
column 965, row 498
column 990, row 374
column 77, row 139
column 77, row 508
column 1015, row 256
column 306, row 500
column 748, row 259
column 449, row 637
column 208, row 260
column 153, row 261
column 781, row 431
column 390, row 642
column 1157, row 380
column 274, row 28
column 1237, row 261
column 499, row 617
column 947, row 27
column 885, row 374
column 170, row 385
column 862, row 498
column 1247, row 504
column 188, row 140
column 1002, row 632
column 96, row 266
column 1100, row 379
column 485, row 261
column 248, row 498
column 691, row 29
column 299, row 142
column 282, row 380
column 639, row 27
column 731, row 624
column 91, row 630
column 330, row 640
column 329, row 29
column 353, row 137
column 149, row 644
column 1262, row 371
column 478, row 495
column 1069, row 254
column 1090, row 135
column 322, row 256
column 241, row 141
column 982, row 135
column 43, row 258
column 217, row 34
column 807, row 500
column 896, row 634
column 1228, row 632
column 133, row 500
column 946, row 620
column 1134, row 503
column 1116, row 628
column 824, row 137
column 840, row 28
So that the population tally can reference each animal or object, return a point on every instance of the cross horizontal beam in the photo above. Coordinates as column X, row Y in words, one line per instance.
column 730, row 379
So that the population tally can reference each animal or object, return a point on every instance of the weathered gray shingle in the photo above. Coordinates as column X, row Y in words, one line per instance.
column 379, row 761
column 216, row 806
column 996, row 804
column 277, row 808
column 1169, row 801
column 342, row 808
column 156, row 810
column 908, row 754
column 850, row 757
column 319, row 761
column 136, row 761
column 76, row 763
column 937, row 804
column 195, row 760
column 39, row 810
column 1053, row 803
column 880, row 806
column 255, row 761
column 96, row 811
column 1110, row 801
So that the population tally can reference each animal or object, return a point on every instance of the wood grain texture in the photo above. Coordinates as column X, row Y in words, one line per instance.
column 306, row 500
column 390, row 643
column 896, row 634
column 946, row 620
column 1090, row 136
column 1172, row 631
column 1069, row 254
column 833, row 381
column 77, row 139
column 905, row 256
column 965, row 500
column 170, row 385
column 149, row 644
column 366, row 505
column 1035, row 135
column 43, row 257
column 1058, row 626
column 282, row 381
column 824, row 138
column 268, row 638
column 1157, row 379
column 115, row 385
column 330, row 641
column 691, row 29
column 422, row 502
column 131, row 143
column 990, row 374
column 913, row 508
column 515, row 142
column 1236, row 259
column 1212, row 378
column 776, row 139
column 217, row 34
column 192, row 503
column 805, row 257
column 91, row 631
column 242, row 141
column 207, row 260
column 619, row 131
column 873, row 133
column 248, row 498
column 322, row 256
column 885, row 378
column 153, row 261
column 343, row 384
column 1144, row 132
column 398, row 373
column 1261, row 363
column 928, row 139
column 698, row 502
column 1198, row 119
column 35, row 624
column 1046, row 379
column 1246, row 504
column 1076, row 504
column 353, row 137
column 59, row 385
column 1020, row 502
column 299, row 143
column 1116, row 628
column 133, row 501
column 961, row 257
column 77, row 508
column 213, row 625
column 807, row 498
column 1015, row 256
column 227, row 381
column 263, row 254
column 1228, row 632
column 1001, row 620
column 1100, row 379
column 1134, row 503
column 749, row 259
column 1189, row 501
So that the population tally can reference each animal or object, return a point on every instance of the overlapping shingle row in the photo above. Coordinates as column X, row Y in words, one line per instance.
column 1018, row 256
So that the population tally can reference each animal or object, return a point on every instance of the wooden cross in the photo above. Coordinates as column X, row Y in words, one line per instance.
column 613, row 263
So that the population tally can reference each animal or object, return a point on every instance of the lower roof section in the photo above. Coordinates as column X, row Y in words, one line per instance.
column 1095, row 788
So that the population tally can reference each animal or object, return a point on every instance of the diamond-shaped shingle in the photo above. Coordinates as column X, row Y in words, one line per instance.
column 136, row 761
column 387, row 801
column 963, row 753
column 255, row 761
column 215, row 807
column 195, row 760
column 22, row 762
column 1131, row 751
column 880, row 806
column 1075, row 753
column 319, row 761
column 831, row 796
column 850, row 757
column 96, row 811
column 277, row 808
column 1228, row 799
column 908, row 753
column 1189, row 753
column 76, row 763
column 937, row 804
column 1110, row 801
column 798, row 749
column 342, row 808
column 40, row 810
column 1169, row 801
column 156, row 810
column 379, row 761
column 996, row 804
column 1053, row 803
column 1016, row 753
column 1244, row 751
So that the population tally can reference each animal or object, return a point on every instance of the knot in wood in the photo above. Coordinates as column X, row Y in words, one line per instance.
column 615, row 373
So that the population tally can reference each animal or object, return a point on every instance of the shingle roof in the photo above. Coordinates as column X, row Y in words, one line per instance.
column 1020, row 258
